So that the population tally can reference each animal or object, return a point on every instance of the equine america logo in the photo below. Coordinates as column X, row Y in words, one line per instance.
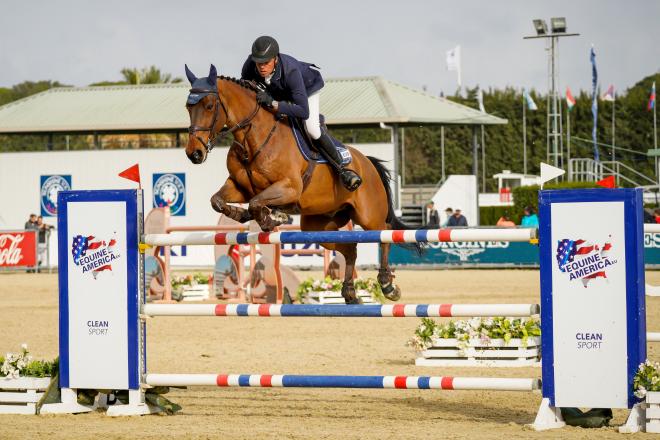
column 50, row 186
column 170, row 190
column 584, row 261
column 93, row 255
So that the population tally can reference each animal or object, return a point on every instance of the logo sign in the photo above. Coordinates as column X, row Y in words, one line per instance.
column 170, row 190
column 584, row 261
column 18, row 249
column 93, row 255
column 50, row 186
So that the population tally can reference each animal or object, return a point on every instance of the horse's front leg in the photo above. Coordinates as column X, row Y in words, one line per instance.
column 230, row 193
column 282, row 192
column 385, row 277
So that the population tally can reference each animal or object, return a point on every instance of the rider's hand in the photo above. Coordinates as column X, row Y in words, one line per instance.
column 264, row 98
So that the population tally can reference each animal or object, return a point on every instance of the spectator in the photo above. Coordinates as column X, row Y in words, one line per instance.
column 44, row 233
column 31, row 224
column 656, row 213
column 448, row 213
column 530, row 219
column 433, row 218
column 505, row 221
column 457, row 219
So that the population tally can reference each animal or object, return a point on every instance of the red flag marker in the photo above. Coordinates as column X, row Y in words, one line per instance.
column 132, row 173
column 607, row 182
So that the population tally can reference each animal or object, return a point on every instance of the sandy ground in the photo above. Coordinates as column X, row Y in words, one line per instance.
column 28, row 313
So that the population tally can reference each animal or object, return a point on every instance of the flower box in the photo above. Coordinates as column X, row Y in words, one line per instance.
column 334, row 297
column 481, row 353
column 197, row 292
column 20, row 395
column 653, row 411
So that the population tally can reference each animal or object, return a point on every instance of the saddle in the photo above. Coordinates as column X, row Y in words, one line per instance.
column 307, row 147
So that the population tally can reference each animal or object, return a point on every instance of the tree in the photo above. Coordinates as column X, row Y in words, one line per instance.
column 146, row 75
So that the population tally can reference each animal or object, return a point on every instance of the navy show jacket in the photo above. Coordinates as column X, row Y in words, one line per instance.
column 292, row 82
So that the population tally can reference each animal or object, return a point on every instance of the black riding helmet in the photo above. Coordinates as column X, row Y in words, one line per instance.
column 264, row 49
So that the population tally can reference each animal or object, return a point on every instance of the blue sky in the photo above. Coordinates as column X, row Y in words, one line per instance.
column 80, row 42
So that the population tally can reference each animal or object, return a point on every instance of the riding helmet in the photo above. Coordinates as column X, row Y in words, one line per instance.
column 264, row 49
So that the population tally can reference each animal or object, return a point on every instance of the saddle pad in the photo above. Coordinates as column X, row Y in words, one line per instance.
column 308, row 151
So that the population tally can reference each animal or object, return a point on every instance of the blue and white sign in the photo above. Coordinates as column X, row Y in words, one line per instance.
column 169, row 189
column 50, row 186
column 592, row 296
column 100, row 283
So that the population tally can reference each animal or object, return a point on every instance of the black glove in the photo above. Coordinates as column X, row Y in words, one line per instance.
column 264, row 98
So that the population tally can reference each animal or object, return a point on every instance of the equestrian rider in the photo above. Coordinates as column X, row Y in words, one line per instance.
column 293, row 89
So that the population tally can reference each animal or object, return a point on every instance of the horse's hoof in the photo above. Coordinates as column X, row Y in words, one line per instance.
column 393, row 294
column 279, row 217
column 354, row 300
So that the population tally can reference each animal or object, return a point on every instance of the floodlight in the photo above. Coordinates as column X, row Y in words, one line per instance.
column 558, row 24
column 540, row 26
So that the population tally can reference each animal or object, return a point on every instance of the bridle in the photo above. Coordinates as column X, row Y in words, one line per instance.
column 244, row 155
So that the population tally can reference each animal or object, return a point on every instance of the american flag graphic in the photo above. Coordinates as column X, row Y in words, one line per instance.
column 568, row 249
column 82, row 244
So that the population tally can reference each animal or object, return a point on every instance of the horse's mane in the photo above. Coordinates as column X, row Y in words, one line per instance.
column 241, row 82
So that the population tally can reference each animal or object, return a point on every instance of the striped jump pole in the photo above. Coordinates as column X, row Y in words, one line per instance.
column 343, row 311
column 313, row 237
column 653, row 337
column 307, row 381
column 651, row 228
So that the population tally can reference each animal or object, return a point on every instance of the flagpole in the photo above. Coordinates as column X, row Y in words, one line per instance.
column 655, row 136
column 483, row 160
column 613, row 129
column 568, row 138
column 524, row 136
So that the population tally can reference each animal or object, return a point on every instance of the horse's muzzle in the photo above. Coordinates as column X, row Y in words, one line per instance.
column 196, row 157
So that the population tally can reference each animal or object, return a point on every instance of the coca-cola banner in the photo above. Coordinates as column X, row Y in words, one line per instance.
column 18, row 248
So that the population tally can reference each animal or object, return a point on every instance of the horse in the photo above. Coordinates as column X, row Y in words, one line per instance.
column 268, row 172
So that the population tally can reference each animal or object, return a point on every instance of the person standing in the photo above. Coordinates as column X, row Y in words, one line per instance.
column 530, row 219
column 505, row 221
column 433, row 218
column 457, row 219
column 42, row 244
column 448, row 213
column 31, row 225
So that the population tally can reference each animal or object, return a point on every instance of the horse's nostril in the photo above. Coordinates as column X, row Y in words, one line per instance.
column 196, row 156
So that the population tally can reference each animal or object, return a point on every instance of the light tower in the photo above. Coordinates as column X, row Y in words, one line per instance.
column 554, row 119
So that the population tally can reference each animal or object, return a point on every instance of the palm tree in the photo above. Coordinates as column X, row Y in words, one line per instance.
column 147, row 75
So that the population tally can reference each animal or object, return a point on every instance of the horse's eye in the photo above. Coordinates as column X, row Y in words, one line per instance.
column 209, row 107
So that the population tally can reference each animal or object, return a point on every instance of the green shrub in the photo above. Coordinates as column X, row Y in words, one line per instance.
column 489, row 215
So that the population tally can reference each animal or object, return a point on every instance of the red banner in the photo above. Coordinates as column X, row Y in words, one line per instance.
column 18, row 248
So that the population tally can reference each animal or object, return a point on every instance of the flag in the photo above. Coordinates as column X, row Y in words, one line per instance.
column 454, row 62
column 531, row 105
column 651, row 104
column 609, row 95
column 480, row 100
column 132, row 173
column 594, row 102
column 607, row 182
column 570, row 101
column 454, row 59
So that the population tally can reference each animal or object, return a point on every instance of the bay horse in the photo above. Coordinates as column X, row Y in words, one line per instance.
column 268, row 172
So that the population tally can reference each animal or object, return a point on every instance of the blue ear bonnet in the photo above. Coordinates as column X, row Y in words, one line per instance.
column 201, row 87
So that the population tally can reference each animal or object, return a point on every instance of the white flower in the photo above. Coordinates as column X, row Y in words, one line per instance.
column 24, row 346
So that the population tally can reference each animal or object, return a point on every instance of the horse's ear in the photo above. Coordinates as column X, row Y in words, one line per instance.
column 213, row 75
column 191, row 76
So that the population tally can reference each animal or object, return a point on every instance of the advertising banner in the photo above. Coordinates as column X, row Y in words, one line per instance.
column 50, row 185
column 169, row 189
column 18, row 249
column 592, row 296
column 98, row 260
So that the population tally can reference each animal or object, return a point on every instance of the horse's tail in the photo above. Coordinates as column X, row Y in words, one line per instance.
column 392, row 219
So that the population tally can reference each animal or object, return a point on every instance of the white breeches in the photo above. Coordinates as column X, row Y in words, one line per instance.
column 313, row 124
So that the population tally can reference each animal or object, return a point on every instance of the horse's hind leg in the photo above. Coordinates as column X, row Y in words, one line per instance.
column 385, row 276
column 348, row 250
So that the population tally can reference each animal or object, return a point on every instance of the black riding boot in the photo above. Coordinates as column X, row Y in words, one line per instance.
column 326, row 147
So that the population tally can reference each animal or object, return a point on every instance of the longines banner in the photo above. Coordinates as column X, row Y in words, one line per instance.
column 496, row 253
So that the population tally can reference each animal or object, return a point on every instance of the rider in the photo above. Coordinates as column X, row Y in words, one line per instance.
column 293, row 89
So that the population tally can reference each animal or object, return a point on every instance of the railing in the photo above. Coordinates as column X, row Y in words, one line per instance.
column 588, row 170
